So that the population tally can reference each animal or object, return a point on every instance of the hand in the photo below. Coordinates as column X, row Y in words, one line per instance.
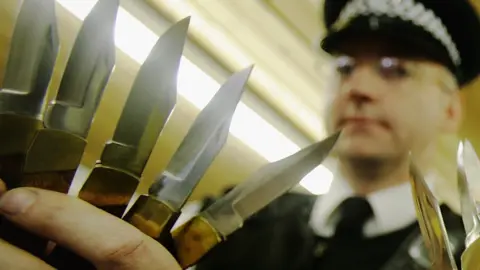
column 104, row 240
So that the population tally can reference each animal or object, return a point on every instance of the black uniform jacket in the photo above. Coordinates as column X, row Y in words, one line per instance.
column 279, row 238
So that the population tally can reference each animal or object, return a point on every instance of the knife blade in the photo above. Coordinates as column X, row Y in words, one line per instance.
column 57, row 150
column 470, row 218
column 466, row 155
column 431, row 223
column 31, row 60
column 116, row 176
column 155, row 217
column 199, row 235
column 156, row 213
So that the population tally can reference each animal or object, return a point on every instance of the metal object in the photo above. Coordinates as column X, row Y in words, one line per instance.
column 58, row 148
column 117, row 174
column 49, row 142
column 156, row 213
column 470, row 216
column 198, row 236
column 31, row 60
column 431, row 223
column 32, row 57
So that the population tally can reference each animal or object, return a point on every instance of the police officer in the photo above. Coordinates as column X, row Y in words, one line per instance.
column 399, row 67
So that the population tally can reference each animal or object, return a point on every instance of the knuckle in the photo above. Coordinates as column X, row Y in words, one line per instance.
column 122, row 252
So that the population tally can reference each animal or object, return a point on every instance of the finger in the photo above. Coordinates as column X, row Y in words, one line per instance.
column 13, row 258
column 101, row 238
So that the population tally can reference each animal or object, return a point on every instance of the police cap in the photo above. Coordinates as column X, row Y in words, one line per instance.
column 447, row 31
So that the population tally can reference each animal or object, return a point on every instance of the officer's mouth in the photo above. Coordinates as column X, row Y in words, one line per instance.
column 361, row 123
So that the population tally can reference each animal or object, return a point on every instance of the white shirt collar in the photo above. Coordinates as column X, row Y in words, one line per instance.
column 393, row 209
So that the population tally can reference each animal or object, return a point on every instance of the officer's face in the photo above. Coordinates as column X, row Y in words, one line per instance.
column 387, row 103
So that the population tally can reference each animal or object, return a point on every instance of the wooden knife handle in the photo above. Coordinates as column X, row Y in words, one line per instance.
column 58, row 181
column 109, row 189
column 193, row 240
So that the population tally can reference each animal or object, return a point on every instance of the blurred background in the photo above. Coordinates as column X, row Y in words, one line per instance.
column 281, row 110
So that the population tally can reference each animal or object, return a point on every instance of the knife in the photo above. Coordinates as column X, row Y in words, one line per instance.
column 431, row 223
column 115, row 177
column 31, row 60
column 194, row 239
column 55, row 150
column 156, row 213
column 471, row 221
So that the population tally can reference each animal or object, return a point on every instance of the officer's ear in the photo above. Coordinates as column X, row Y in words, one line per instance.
column 453, row 111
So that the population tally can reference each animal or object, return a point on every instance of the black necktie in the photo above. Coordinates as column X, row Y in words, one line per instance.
column 341, row 250
column 354, row 212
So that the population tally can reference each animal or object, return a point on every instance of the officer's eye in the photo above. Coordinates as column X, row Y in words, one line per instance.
column 344, row 65
column 392, row 68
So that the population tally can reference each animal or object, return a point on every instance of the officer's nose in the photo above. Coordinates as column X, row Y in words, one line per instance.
column 361, row 86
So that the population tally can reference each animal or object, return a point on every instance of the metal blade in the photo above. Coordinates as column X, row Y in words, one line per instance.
column 202, row 143
column 228, row 214
column 173, row 192
column 149, row 105
column 431, row 223
column 115, row 177
column 470, row 218
column 33, row 52
column 88, row 70
column 153, row 215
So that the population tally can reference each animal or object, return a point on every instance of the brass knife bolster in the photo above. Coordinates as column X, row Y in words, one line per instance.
column 471, row 256
column 54, row 150
column 16, row 135
column 154, row 218
column 193, row 240
column 52, row 160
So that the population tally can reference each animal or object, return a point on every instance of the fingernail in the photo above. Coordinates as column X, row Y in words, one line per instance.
column 17, row 201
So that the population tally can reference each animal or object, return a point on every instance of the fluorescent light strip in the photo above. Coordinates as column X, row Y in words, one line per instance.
column 264, row 80
column 136, row 40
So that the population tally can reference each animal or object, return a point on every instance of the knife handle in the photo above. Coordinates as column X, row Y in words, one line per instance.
column 471, row 256
column 193, row 240
column 58, row 181
column 17, row 236
column 154, row 218
column 109, row 189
